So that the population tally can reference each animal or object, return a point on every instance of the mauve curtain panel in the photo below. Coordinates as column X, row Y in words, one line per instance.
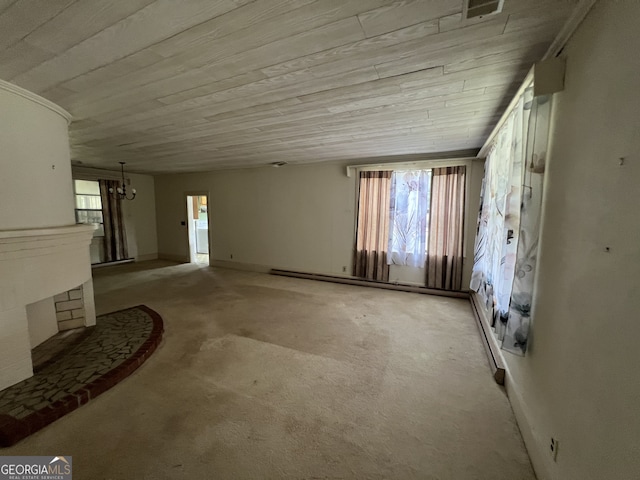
column 370, row 257
column 446, row 224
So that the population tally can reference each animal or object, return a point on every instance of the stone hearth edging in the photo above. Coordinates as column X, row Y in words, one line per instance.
column 13, row 429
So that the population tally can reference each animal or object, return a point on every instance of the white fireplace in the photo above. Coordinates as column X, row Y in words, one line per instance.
column 44, row 255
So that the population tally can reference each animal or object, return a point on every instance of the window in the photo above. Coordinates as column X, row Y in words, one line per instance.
column 409, row 217
column 89, row 205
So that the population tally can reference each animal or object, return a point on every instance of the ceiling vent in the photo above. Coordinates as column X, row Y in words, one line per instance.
column 481, row 8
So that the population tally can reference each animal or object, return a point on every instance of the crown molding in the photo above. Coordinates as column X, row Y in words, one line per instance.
column 580, row 11
column 578, row 15
column 11, row 88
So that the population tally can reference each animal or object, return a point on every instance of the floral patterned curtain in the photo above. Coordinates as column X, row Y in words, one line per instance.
column 496, row 240
column 507, row 234
column 517, row 327
column 408, row 217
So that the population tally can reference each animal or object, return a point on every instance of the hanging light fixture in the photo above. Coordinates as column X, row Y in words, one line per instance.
column 121, row 191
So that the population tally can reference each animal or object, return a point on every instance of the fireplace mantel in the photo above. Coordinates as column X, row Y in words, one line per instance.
column 41, row 241
column 36, row 264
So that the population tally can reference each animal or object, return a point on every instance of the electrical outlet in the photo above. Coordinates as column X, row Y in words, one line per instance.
column 231, row 256
column 553, row 448
column 344, row 268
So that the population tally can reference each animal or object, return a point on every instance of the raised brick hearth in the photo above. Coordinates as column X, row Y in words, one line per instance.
column 95, row 361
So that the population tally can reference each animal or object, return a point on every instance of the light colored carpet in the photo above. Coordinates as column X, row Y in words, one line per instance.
column 271, row 377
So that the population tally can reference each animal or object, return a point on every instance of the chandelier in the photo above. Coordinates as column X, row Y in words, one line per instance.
column 121, row 191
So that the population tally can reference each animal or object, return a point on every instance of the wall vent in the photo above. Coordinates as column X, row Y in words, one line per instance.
column 481, row 8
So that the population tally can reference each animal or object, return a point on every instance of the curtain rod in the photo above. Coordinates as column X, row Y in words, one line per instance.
column 88, row 173
column 448, row 162
column 568, row 29
column 577, row 16
column 528, row 80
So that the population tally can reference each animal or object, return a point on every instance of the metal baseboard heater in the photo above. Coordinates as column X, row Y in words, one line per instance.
column 367, row 283
column 496, row 363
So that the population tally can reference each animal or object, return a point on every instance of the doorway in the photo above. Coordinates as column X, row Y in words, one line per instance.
column 198, row 228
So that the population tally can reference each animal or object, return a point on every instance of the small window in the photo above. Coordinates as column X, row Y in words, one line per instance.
column 89, row 205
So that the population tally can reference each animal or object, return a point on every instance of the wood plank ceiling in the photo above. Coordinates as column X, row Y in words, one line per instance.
column 196, row 85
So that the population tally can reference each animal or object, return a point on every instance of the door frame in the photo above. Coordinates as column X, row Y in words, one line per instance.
column 185, row 197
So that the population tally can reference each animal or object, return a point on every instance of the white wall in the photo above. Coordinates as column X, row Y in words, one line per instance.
column 474, row 185
column 294, row 217
column 41, row 317
column 407, row 275
column 35, row 172
column 140, row 218
column 580, row 379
